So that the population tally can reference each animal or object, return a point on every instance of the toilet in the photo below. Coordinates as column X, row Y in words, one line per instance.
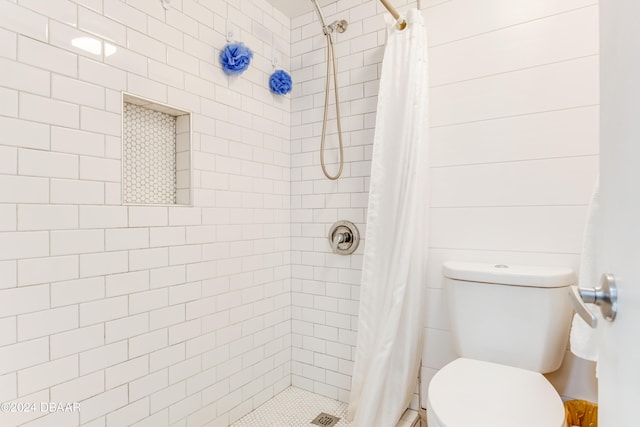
column 509, row 325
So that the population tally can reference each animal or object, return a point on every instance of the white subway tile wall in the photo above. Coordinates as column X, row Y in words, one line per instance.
column 514, row 155
column 145, row 315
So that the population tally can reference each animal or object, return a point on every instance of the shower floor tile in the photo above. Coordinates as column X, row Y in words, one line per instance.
column 295, row 407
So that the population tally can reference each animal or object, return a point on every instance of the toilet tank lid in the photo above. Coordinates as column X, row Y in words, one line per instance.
column 507, row 274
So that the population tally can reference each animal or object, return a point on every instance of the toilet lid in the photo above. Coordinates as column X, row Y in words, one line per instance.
column 474, row 393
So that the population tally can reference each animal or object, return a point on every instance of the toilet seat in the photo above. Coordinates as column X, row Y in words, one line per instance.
column 469, row 392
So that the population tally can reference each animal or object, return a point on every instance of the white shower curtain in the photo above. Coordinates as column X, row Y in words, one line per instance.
column 390, row 325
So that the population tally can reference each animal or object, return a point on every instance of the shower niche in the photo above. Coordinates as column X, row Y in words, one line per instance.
column 156, row 153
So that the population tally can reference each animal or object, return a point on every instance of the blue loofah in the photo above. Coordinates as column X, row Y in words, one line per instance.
column 280, row 82
column 235, row 58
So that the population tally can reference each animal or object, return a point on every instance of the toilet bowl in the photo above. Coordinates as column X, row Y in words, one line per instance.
column 474, row 393
column 509, row 325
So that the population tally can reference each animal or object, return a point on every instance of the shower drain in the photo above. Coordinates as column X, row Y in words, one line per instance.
column 325, row 420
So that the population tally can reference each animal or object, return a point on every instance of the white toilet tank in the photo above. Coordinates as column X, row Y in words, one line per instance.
column 509, row 314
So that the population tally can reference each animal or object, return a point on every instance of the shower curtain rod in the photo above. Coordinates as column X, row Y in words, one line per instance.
column 401, row 24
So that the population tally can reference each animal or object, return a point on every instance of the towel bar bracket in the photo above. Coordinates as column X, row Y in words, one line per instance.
column 605, row 296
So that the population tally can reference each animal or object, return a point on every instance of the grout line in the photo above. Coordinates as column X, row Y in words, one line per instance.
column 512, row 116
column 515, row 70
column 514, row 25
column 529, row 160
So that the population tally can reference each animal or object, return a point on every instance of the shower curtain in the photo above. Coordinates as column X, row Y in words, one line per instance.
column 390, row 325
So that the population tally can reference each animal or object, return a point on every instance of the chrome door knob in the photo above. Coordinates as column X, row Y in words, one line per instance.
column 605, row 296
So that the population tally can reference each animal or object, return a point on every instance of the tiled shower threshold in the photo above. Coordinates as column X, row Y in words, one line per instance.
column 295, row 407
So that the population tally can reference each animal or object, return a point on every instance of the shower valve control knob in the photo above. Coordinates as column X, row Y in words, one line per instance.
column 344, row 238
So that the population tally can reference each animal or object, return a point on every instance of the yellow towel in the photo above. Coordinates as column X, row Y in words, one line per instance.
column 581, row 413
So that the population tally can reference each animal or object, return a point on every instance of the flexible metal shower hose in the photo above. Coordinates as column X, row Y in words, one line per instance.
column 331, row 58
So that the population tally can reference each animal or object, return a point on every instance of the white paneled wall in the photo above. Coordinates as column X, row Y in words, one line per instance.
column 144, row 315
column 514, row 155
column 514, row 112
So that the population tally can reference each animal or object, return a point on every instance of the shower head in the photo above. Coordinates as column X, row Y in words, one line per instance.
column 339, row 26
